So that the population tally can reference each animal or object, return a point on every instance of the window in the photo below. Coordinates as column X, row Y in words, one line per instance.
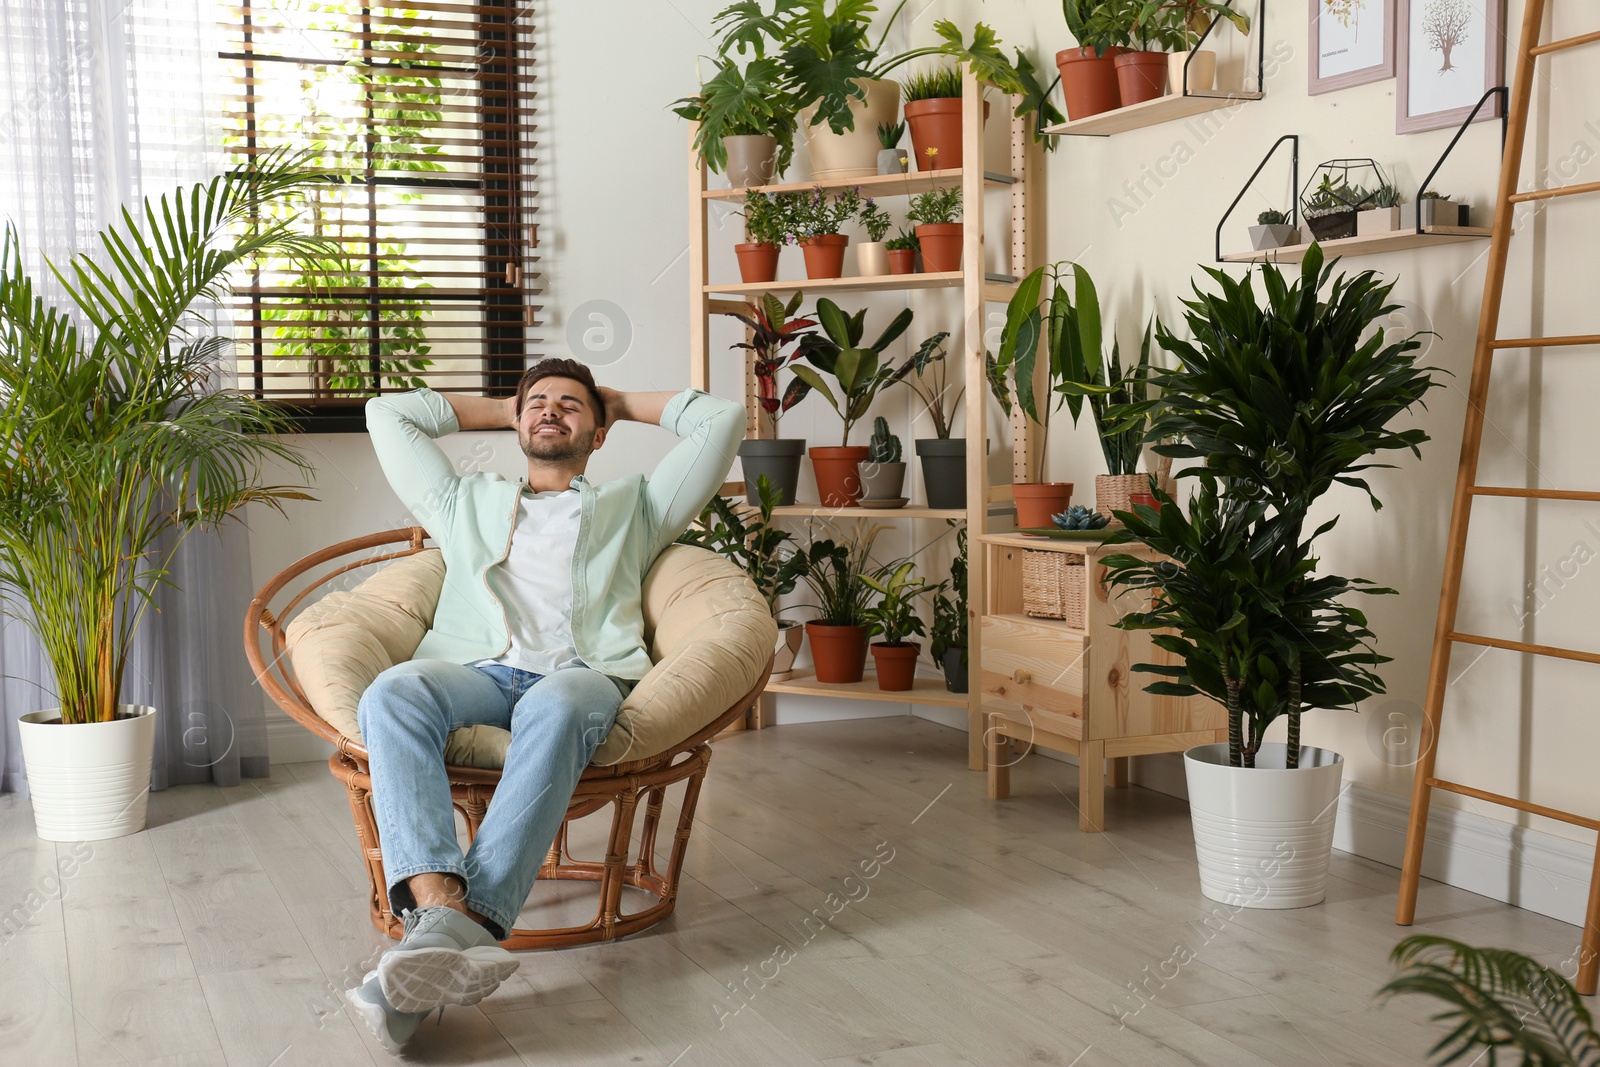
column 421, row 115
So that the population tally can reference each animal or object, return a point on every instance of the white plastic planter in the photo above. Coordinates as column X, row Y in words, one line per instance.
column 88, row 781
column 1263, row 834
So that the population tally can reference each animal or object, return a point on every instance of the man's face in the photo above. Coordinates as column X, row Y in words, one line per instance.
column 557, row 422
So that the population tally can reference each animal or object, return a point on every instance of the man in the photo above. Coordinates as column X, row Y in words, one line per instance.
column 538, row 631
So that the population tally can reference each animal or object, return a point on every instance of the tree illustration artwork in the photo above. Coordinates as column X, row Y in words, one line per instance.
column 1444, row 25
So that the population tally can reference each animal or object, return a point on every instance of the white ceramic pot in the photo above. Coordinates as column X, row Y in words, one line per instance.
column 790, row 634
column 1202, row 72
column 88, row 781
column 872, row 259
column 1263, row 835
column 854, row 153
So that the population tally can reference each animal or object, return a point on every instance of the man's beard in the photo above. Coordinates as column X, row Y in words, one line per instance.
column 557, row 449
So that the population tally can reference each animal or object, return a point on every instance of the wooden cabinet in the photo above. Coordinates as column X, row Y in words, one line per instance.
column 1068, row 684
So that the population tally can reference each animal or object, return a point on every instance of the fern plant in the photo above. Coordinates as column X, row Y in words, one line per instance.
column 111, row 437
column 1496, row 1000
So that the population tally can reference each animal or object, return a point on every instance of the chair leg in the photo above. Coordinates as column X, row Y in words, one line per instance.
column 647, row 837
column 612, row 881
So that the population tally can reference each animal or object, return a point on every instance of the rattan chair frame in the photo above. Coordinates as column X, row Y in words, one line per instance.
column 622, row 787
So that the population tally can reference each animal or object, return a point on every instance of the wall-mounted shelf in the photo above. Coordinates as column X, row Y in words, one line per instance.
column 873, row 185
column 1150, row 113
column 1393, row 241
column 922, row 691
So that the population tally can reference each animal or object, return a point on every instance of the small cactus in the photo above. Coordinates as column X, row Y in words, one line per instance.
column 1079, row 517
column 885, row 446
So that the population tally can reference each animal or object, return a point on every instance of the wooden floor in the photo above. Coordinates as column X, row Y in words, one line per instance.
column 852, row 898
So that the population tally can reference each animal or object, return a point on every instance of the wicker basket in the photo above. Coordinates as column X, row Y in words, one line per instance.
column 1053, row 586
column 1111, row 492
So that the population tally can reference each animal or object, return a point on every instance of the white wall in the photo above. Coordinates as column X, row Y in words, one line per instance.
column 613, row 223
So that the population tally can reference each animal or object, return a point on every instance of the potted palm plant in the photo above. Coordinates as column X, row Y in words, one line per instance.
column 894, row 618
column 944, row 458
column 948, row 639
column 1235, row 588
column 771, row 330
column 764, row 238
column 115, row 449
column 859, row 372
column 755, row 544
column 813, row 220
column 834, row 572
column 937, row 215
column 747, row 120
column 872, row 257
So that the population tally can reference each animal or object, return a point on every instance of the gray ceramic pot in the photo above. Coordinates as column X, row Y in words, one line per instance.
column 882, row 481
column 944, row 471
column 893, row 160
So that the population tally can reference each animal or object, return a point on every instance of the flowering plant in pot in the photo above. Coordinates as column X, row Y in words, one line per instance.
column 894, row 618
column 116, row 447
column 836, row 74
column 1234, row 593
column 746, row 120
column 947, row 642
column 834, row 572
column 764, row 236
column 1189, row 70
column 772, row 330
column 813, row 221
column 859, row 372
column 872, row 257
column 902, row 252
column 944, row 459
column 937, row 215
column 755, row 544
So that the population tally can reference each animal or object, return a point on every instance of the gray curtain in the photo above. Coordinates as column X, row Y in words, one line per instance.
column 102, row 103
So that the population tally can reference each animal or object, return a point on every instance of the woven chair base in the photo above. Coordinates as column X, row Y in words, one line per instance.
column 471, row 791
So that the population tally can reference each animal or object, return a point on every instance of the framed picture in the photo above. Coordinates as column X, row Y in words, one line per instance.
column 1451, row 52
column 1352, row 43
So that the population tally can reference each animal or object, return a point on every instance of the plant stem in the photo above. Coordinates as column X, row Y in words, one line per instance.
column 1235, row 714
column 1292, row 760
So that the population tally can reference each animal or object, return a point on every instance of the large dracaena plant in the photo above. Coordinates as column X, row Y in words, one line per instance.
column 112, row 439
column 1278, row 403
column 1495, row 999
column 859, row 371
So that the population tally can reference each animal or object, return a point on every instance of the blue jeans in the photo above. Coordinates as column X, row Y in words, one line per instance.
column 556, row 722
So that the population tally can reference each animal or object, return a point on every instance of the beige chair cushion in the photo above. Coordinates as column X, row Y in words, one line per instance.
column 710, row 636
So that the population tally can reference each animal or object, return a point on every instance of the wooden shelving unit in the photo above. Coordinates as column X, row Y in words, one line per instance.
column 1168, row 108
column 1015, row 175
column 1394, row 241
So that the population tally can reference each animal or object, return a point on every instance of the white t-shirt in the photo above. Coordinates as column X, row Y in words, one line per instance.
column 534, row 583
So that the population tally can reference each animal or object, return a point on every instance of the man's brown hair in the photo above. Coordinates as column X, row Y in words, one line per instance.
column 556, row 367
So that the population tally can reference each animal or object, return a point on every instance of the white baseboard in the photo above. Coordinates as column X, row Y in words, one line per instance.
column 289, row 742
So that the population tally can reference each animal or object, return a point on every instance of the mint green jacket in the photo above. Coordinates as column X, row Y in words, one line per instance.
column 623, row 525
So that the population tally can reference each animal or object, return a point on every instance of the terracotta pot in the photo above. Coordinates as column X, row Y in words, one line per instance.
column 838, row 653
column 1089, row 81
column 838, row 474
column 1147, row 499
column 902, row 261
column 824, row 255
column 751, row 157
column 1037, row 501
column 854, row 153
column 897, row 665
column 936, row 124
column 872, row 259
column 757, row 262
column 1141, row 76
column 1202, row 72
column 941, row 246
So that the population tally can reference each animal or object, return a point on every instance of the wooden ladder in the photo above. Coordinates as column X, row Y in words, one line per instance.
column 1446, row 635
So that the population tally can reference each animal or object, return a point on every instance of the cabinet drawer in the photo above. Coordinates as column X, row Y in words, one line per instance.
column 1034, row 665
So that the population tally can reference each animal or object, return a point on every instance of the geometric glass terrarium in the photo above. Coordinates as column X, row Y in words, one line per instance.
column 1337, row 189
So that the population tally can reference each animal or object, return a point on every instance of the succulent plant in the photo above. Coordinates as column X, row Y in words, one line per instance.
column 885, row 446
column 1080, row 517
column 1271, row 218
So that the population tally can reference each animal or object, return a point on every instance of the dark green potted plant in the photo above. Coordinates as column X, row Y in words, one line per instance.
column 943, row 458
column 884, row 475
column 756, row 544
column 116, row 448
column 937, row 215
column 902, row 252
column 1234, row 591
column 872, row 256
column 770, row 456
column 747, row 120
column 859, row 372
column 834, row 572
column 765, row 235
column 892, row 159
column 894, row 618
column 1143, row 28
column 1088, row 70
column 948, row 641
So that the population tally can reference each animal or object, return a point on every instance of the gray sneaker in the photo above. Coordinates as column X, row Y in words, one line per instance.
column 392, row 1028
column 444, row 958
